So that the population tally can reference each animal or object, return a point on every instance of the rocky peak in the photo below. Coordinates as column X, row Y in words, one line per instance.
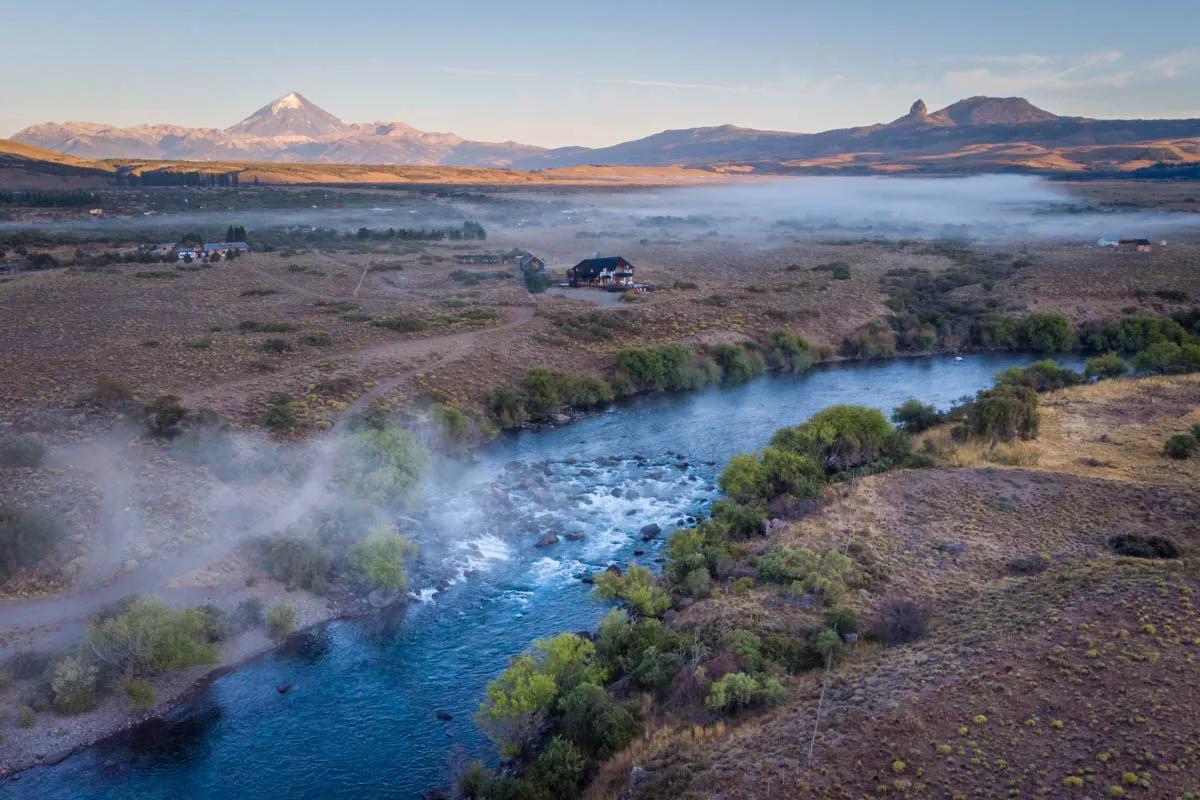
column 918, row 109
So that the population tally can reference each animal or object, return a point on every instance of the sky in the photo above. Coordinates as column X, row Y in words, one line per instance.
column 578, row 72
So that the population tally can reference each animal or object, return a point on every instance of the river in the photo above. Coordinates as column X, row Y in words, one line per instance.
column 359, row 719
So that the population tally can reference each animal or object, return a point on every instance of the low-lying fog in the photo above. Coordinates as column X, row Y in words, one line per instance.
column 761, row 211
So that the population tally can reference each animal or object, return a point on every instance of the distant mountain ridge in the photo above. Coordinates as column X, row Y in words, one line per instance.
column 974, row 134
column 289, row 129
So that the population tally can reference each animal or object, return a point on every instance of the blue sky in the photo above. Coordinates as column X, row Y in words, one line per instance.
column 591, row 73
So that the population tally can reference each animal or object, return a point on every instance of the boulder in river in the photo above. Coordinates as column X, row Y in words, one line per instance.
column 548, row 538
column 650, row 531
column 444, row 715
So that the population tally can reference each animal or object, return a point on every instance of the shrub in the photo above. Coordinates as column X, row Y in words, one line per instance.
column 1110, row 365
column 402, row 323
column 1168, row 357
column 1041, row 376
column 789, row 352
column 450, row 422
column 913, row 416
column 737, row 691
column 788, row 472
column 738, row 364
column 806, row 570
column 1047, row 333
column 274, row 345
column 1002, row 414
column 594, row 722
column 27, row 535
column 110, row 391
column 297, row 562
column 281, row 620
column 1134, row 333
column 1181, row 446
column 744, row 479
column 253, row 326
column 506, row 406
column 636, row 587
column 280, row 416
column 643, row 648
column 548, row 391
column 737, row 521
column 1134, row 546
column 73, row 686
column 898, row 621
column 380, row 558
column 841, row 620
column 558, row 771
column 248, row 614
column 140, row 693
column 148, row 637
column 21, row 451
column 384, row 463
column 516, row 704
column 656, row 369
column 318, row 339
column 842, row 437
column 164, row 416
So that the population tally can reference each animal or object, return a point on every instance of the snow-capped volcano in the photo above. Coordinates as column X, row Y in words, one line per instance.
column 291, row 115
column 292, row 128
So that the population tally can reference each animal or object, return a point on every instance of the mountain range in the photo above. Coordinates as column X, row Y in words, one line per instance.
column 978, row 133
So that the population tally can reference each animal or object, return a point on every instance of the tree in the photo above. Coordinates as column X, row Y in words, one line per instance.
column 515, row 705
column 1003, row 413
column 594, row 722
column 636, row 587
column 744, row 479
column 1047, row 333
column 1110, row 365
column 842, row 437
column 148, row 637
column 380, row 558
column 913, row 416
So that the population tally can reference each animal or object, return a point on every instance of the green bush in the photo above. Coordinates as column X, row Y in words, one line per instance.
column 1181, row 446
column 1041, row 376
column 744, row 479
column 1168, row 358
column 789, row 352
column 148, row 637
column 548, row 391
column 73, row 686
column 318, row 339
column 636, row 587
column 558, row 771
column 402, row 323
column 384, row 463
column 516, row 705
column 656, row 369
column 21, row 451
column 380, row 558
column 843, row 437
column 506, row 405
column 280, row 415
column 913, row 416
column 738, row 364
column 594, row 722
column 297, row 562
column 450, row 422
column 808, row 571
column 281, row 620
column 1047, row 333
column 1132, row 334
column 1002, row 414
column 841, row 620
column 27, row 535
column 737, row 691
column 644, row 648
column 1109, row 365
column 140, row 694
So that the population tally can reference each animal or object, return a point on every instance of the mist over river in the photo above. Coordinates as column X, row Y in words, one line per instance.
column 359, row 719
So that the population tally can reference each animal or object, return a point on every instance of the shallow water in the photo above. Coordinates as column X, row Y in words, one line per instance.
column 360, row 719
